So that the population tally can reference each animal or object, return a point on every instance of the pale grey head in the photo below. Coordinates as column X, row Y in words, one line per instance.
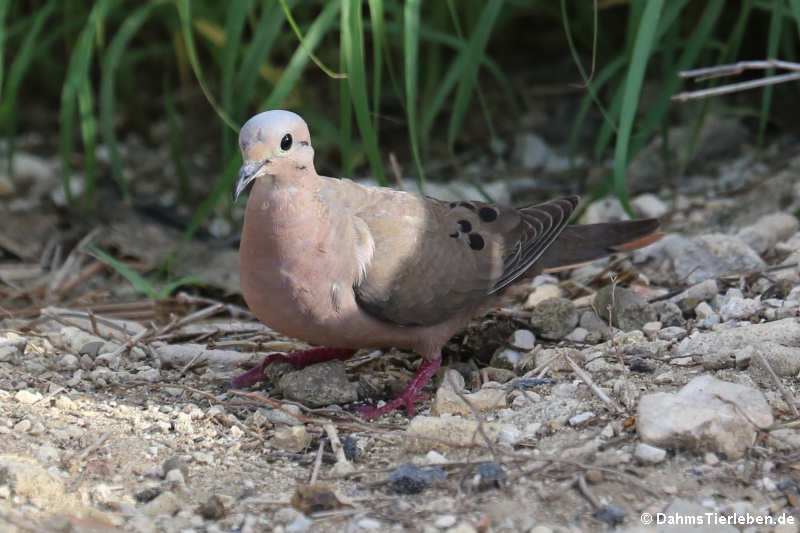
column 273, row 143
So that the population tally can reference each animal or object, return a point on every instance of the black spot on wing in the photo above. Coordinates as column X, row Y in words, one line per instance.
column 467, row 205
column 487, row 214
column 455, row 235
column 465, row 226
column 476, row 241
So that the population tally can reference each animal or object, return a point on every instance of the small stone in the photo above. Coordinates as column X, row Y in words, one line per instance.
column 369, row 524
column 710, row 458
column 768, row 231
column 166, row 502
column 523, row 339
column 608, row 209
column 435, row 458
column 672, row 333
column 449, row 402
column 668, row 313
column 739, row 308
column 212, row 509
column 300, row 524
column 507, row 358
column 47, row 454
column 703, row 310
column 628, row 310
column 489, row 476
column 37, row 429
column 463, row 527
column 23, row 426
column 581, row 418
column 649, row 206
column 151, row 375
column 438, row 433
column 282, row 417
column 27, row 397
column 175, row 463
column 445, row 521
column 530, row 150
column 651, row 329
column 236, row 432
column 412, row 479
column 692, row 296
column 578, row 334
column 554, row 318
column 319, row 385
column 648, row 454
column 68, row 362
column 291, row 438
column 540, row 294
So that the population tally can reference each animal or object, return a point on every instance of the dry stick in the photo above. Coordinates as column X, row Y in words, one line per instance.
column 588, row 494
column 588, row 380
column 72, row 259
column 734, row 69
column 317, row 463
column 336, row 446
column 192, row 317
column 88, row 450
column 787, row 396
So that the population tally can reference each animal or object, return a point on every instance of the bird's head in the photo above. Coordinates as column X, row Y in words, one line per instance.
column 273, row 144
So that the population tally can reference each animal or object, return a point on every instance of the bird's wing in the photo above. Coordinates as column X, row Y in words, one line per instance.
column 432, row 260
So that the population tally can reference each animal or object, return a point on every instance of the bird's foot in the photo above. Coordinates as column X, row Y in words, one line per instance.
column 299, row 359
column 410, row 395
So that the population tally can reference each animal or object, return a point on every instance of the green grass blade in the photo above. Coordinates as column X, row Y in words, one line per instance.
column 89, row 137
column 352, row 42
column 346, row 144
column 376, row 17
column 794, row 5
column 131, row 275
column 645, row 37
column 176, row 146
column 469, row 75
column 264, row 35
column 298, row 33
column 23, row 59
column 410, row 65
column 318, row 29
column 775, row 29
column 110, row 62
column 4, row 4
column 234, row 26
column 185, row 16
column 692, row 46
column 75, row 87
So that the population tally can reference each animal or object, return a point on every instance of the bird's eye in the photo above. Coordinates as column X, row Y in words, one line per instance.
column 286, row 142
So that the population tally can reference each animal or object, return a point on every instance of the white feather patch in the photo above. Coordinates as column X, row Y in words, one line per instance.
column 365, row 248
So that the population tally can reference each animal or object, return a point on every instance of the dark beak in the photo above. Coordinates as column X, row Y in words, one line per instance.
column 246, row 176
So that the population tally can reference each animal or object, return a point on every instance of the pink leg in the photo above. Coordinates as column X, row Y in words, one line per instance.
column 410, row 395
column 298, row 359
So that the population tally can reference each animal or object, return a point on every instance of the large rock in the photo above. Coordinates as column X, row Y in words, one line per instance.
column 778, row 342
column 705, row 257
column 30, row 483
column 706, row 415
column 768, row 231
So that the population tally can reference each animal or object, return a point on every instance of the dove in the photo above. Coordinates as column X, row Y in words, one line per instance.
column 348, row 266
